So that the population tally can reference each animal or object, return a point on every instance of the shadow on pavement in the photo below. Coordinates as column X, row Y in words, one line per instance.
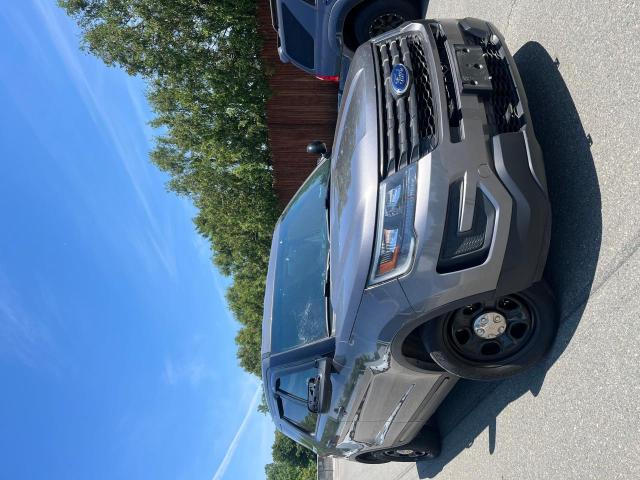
column 575, row 244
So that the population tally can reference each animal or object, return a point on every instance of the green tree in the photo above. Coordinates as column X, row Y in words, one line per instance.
column 286, row 450
column 202, row 60
column 286, row 471
column 291, row 461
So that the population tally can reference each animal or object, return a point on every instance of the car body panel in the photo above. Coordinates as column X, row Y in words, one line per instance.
column 354, row 194
column 380, row 399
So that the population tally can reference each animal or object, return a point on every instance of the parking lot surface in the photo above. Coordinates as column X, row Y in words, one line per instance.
column 576, row 416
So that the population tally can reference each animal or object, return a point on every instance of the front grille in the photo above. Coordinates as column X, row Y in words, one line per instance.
column 408, row 123
column 426, row 114
column 505, row 113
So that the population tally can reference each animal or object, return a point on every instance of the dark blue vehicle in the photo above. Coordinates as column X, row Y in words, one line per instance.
column 315, row 34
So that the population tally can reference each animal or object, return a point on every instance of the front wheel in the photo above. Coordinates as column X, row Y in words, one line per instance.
column 380, row 16
column 495, row 339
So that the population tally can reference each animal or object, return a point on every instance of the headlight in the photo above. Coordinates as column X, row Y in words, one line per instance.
column 395, row 236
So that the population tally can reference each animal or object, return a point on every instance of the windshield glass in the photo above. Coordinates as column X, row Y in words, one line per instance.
column 299, row 302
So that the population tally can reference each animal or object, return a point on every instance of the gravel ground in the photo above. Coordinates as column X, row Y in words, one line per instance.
column 577, row 416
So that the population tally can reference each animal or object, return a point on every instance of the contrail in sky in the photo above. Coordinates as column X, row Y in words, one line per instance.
column 234, row 443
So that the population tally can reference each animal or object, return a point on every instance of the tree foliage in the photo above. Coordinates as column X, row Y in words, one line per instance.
column 286, row 471
column 207, row 87
column 292, row 459
column 286, row 450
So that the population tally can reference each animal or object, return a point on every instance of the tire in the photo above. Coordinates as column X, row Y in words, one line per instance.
column 379, row 16
column 525, row 341
column 371, row 458
column 425, row 446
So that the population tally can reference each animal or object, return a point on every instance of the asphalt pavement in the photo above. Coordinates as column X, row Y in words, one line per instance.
column 577, row 415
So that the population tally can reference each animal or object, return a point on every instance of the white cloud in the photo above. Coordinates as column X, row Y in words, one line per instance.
column 222, row 468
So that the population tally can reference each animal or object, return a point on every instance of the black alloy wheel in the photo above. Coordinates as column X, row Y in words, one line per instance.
column 401, row 454
column 495, row 338
column 425, row 446
column 405, row 454
column 514, row 321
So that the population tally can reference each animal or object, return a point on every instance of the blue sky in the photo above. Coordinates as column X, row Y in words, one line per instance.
column 117, row 358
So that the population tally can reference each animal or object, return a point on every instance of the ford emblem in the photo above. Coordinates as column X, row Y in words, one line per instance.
column 400, row 79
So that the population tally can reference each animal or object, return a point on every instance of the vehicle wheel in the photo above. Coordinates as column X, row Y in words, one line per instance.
column 424, row 447
column 372, row 458
column 495, row 339
column 380, row 16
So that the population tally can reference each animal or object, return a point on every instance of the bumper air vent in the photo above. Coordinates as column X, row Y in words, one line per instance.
column 504, row 111
column 467, row 249
column 507, row 111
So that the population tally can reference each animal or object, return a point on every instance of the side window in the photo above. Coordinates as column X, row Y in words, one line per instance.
column 298, row 414
column 295, row 382
column 291, row 391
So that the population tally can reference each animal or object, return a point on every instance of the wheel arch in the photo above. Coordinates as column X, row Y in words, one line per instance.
column 346, row 23
column 347, row 17
column 411, row 331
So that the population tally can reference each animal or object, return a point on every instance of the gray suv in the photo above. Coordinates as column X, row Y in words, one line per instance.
column 314, row 34
column 413, row 254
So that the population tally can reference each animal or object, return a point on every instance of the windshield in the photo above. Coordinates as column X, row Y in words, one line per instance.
column 299, row 304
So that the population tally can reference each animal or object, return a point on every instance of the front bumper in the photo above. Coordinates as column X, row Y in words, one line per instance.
column 483, row 216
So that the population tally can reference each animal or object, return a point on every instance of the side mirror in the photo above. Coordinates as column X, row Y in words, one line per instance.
column 317, row 148
column 319, row 388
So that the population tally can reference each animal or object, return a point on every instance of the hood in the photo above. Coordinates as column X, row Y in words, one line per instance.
column 354, row 192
